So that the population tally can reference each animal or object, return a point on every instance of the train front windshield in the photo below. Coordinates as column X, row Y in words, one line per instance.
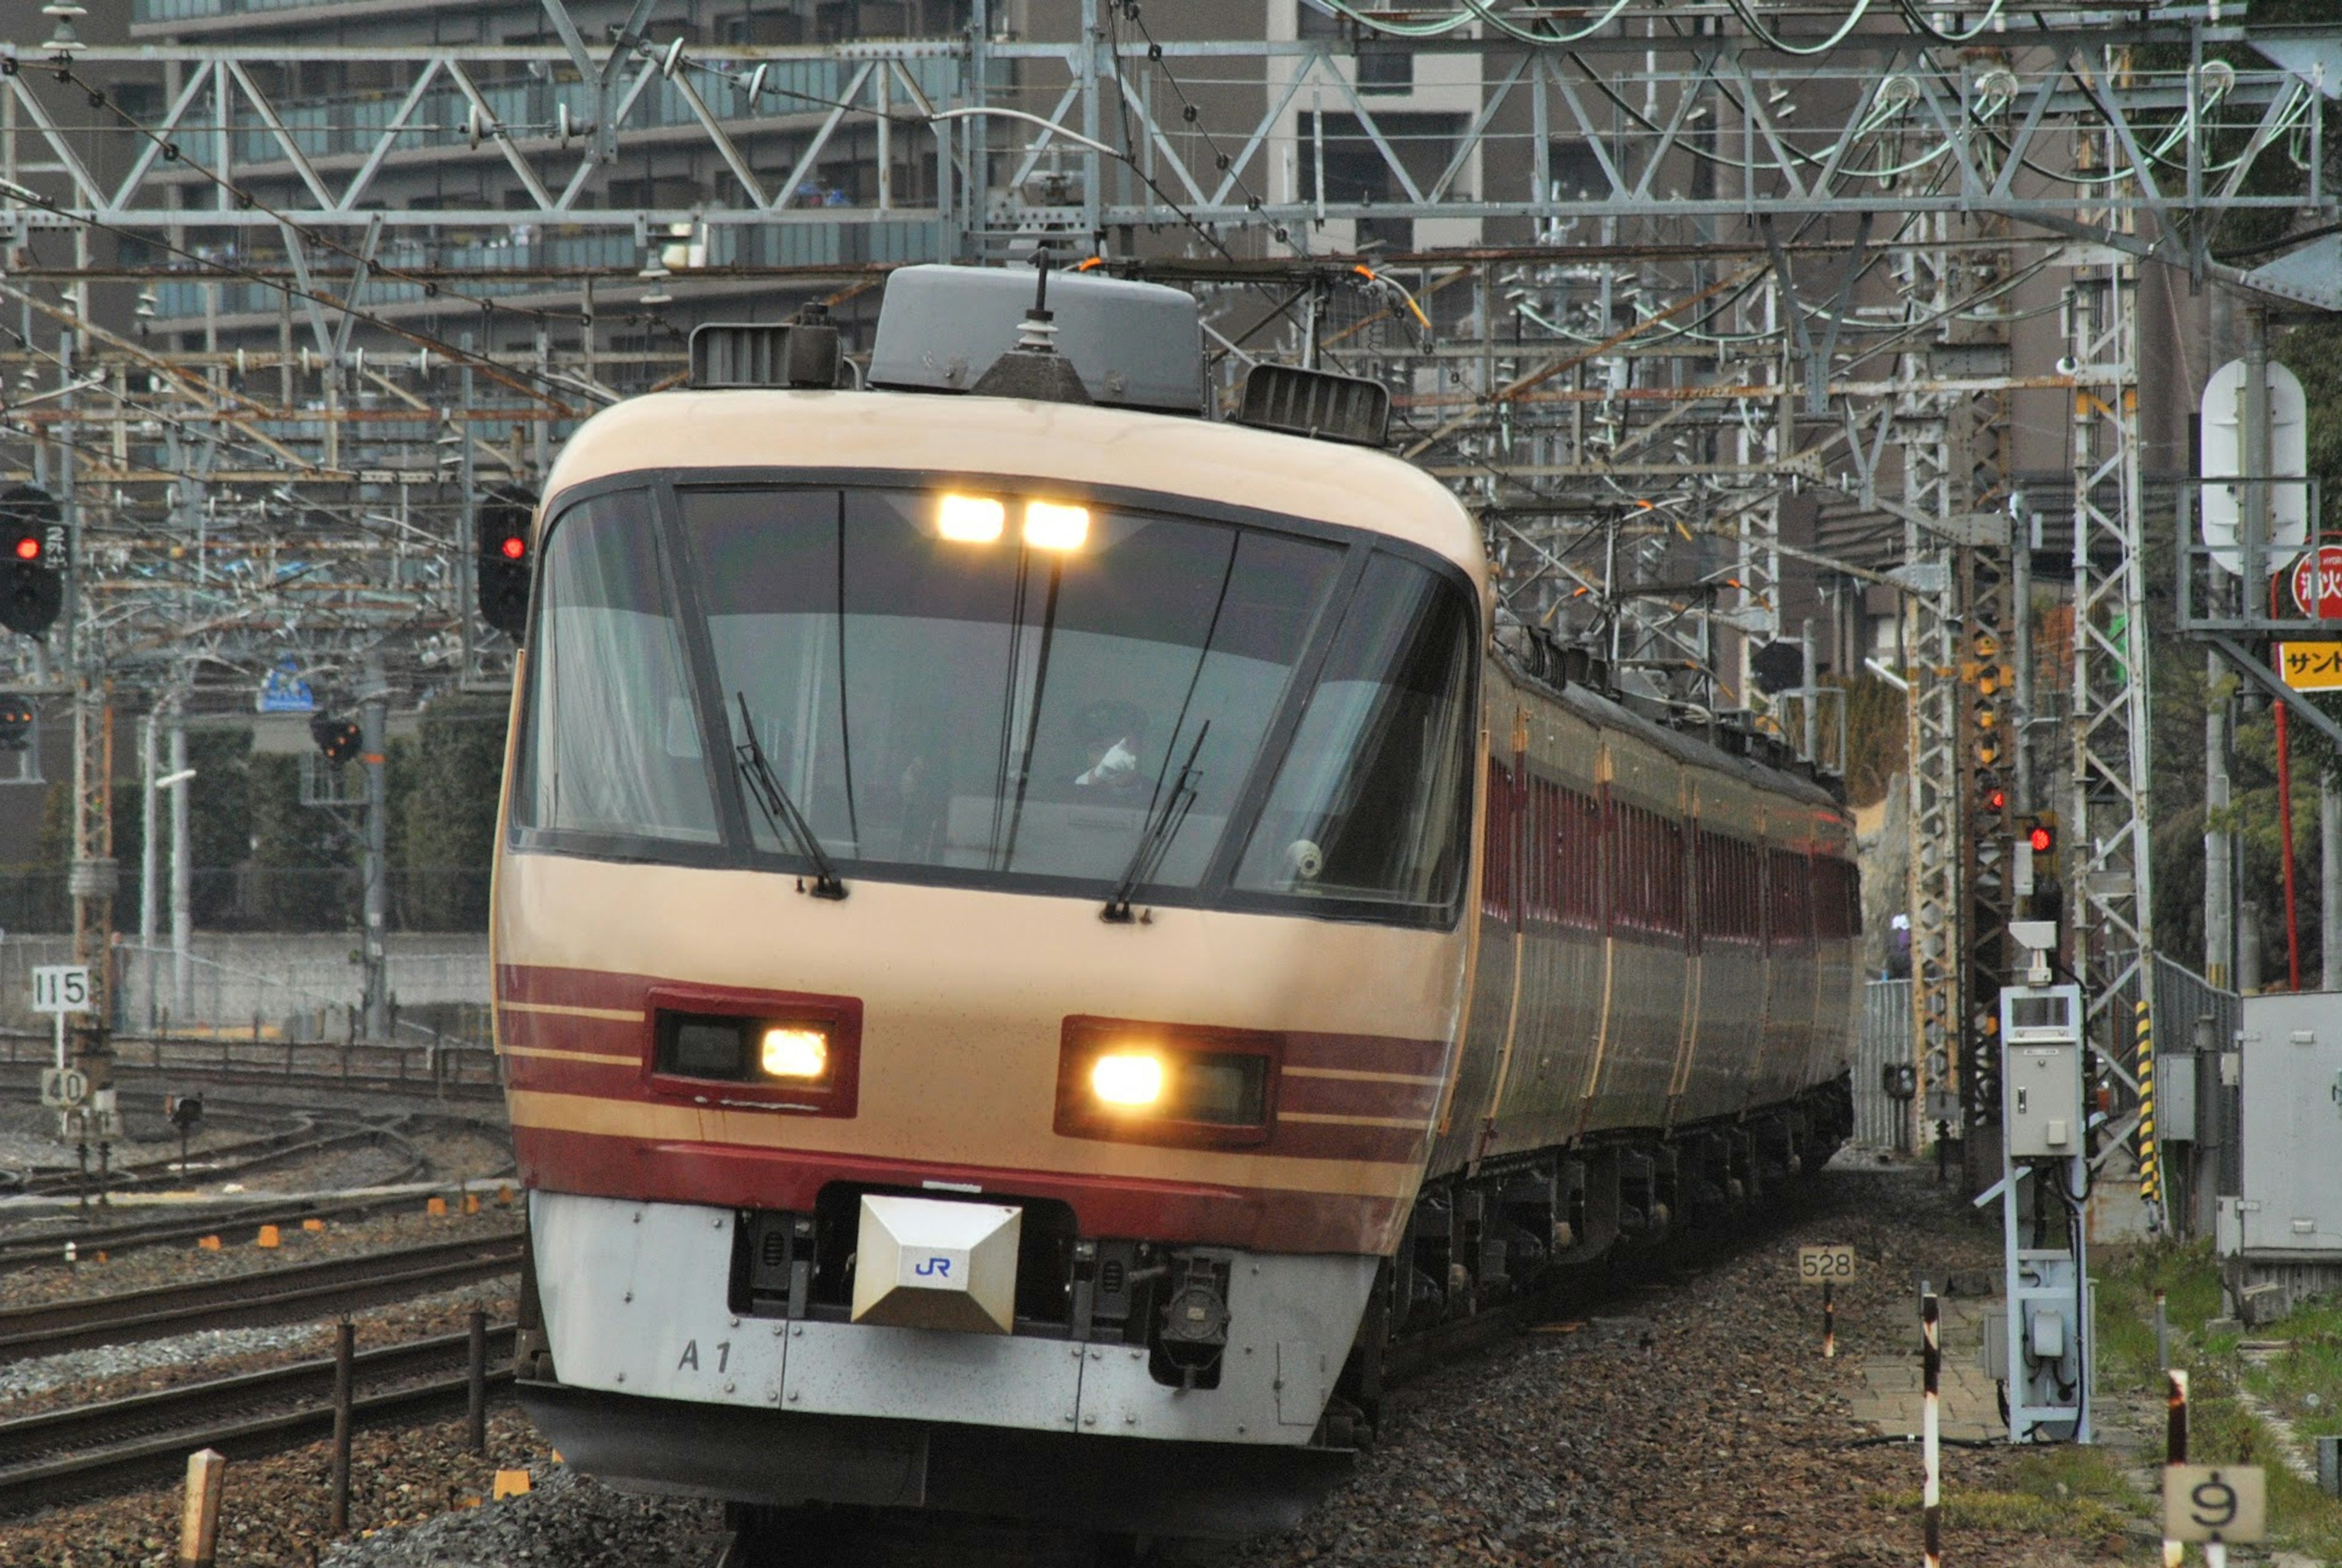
column 995, row 689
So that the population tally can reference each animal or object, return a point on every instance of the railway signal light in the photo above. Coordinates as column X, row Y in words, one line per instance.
column 506, row 560
column 15, row 723
column 32, row 539
column 2036, row 885
column 339, row 739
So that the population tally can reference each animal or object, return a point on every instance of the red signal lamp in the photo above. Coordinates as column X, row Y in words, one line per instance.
column 512, row 548
column 1996, row 800
column 2042, row 840
column 28, row 548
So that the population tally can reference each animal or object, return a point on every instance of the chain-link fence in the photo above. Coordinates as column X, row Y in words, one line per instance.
column 292, row 988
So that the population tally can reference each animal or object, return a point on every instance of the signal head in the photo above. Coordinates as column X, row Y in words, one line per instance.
column 512, row 548
column 28, row 548
column 2042, row 837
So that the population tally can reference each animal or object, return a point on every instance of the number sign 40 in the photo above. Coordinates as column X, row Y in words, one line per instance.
column 1828, row 1265
column 2214, row 1503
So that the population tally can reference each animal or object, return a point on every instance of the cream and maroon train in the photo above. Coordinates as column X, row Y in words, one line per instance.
column 1243, row 960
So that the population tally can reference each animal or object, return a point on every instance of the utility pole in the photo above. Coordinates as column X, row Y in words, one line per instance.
column 92, row 877
column 374, row 718
column 2219, row 878
column 149, row 893
column 183, row 934
column 2329, row 878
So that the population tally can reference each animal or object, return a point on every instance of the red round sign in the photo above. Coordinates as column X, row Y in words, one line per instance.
column 2316, row 584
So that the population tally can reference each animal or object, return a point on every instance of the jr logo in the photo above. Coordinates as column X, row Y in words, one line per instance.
column 934, row 1268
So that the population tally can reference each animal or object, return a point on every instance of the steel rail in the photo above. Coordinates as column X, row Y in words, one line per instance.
column 243, row 1220
column 164, row 1174
column 306, row 1289
column 83, row 1450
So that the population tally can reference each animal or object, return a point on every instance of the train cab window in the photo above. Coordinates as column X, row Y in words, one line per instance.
column 936, row 692
column 1370, row 804
column 614, row 742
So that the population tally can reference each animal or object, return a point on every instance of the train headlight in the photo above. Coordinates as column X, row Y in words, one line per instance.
column 970, row 519
column 790, row 1050
column 744, row 1050
column 1166, row 1083
column 1049, row 526
column 1129, row 1080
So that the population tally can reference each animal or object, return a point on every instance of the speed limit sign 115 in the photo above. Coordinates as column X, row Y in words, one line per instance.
column 2214, row 1503
column 61, row 988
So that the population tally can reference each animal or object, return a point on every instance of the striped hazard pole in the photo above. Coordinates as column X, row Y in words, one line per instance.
column 2175, row 1444
column 1931, row 1457
column 2150, row 1159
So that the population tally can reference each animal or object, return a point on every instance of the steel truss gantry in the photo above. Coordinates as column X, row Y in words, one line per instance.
column 1668, row 275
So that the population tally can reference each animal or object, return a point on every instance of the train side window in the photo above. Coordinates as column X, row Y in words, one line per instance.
column 1374, row 786
column 613, row 739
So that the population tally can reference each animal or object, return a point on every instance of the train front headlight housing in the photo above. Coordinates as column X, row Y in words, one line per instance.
column 794, row 1052
column 1166, row 1083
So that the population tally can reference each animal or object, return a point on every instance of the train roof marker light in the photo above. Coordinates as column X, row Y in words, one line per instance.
column 1128, row 1080
column 1052, row 525
column 970, row 519
column 794, row 1051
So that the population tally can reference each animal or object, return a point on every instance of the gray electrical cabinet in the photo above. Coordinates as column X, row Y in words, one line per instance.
column 2041, row 1072
column 2291, row 1203
column 2044, row 1091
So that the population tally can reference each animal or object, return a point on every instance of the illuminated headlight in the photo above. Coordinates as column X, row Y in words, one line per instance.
column 747, row 1050
column 792, row 1052
column 971, row 519
column 1051, row 526
column 1130, row 1080
column 1165, row 1084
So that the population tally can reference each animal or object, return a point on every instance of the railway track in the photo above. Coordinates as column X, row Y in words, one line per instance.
column 231, row 1224
column 310, row 1133
column 273, row 1296
column 80, row 1450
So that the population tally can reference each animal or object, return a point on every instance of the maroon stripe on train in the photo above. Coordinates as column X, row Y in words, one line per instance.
column 1354, row 1097
column 574, row 987
column 1366, row 1052
column 597, row 988
column 725, row 1176
column 624, row 1081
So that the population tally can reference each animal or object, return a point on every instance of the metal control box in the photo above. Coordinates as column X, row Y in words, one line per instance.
column 2044, row 1094
column 2291, row 1207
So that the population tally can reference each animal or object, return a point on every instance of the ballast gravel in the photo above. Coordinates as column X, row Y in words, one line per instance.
column 563, row 1519
column 117, row 1372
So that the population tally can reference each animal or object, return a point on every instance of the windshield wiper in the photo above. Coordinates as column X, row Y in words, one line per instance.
column 779, row 810
column 1164, row 819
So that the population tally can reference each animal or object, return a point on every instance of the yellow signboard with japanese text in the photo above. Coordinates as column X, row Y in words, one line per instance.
column 2311, row 666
